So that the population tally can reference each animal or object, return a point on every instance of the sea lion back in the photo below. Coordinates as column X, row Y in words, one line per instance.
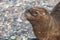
column 56, row 12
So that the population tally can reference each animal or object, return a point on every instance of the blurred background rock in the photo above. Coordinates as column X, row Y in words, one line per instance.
column 13, row 25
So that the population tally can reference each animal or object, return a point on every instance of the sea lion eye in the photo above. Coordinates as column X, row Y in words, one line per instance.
column 35, row 13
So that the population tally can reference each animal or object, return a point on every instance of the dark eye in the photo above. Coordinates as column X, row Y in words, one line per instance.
column 35, row 13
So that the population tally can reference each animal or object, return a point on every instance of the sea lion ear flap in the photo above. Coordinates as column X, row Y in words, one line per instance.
column 45, row 12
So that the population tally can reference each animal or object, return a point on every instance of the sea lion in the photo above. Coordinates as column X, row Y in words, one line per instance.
column 44, row 25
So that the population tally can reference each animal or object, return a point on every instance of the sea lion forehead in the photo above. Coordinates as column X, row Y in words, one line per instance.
column 36, row 9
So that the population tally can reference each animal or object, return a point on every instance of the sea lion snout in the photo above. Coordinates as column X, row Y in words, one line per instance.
column 27, row 10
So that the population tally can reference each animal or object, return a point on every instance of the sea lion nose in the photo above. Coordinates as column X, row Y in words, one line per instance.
column 27, row 10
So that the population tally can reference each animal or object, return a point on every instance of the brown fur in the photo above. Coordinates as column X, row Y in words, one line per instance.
column 44, row 25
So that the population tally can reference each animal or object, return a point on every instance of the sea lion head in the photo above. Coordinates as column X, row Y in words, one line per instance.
column 35, row 13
